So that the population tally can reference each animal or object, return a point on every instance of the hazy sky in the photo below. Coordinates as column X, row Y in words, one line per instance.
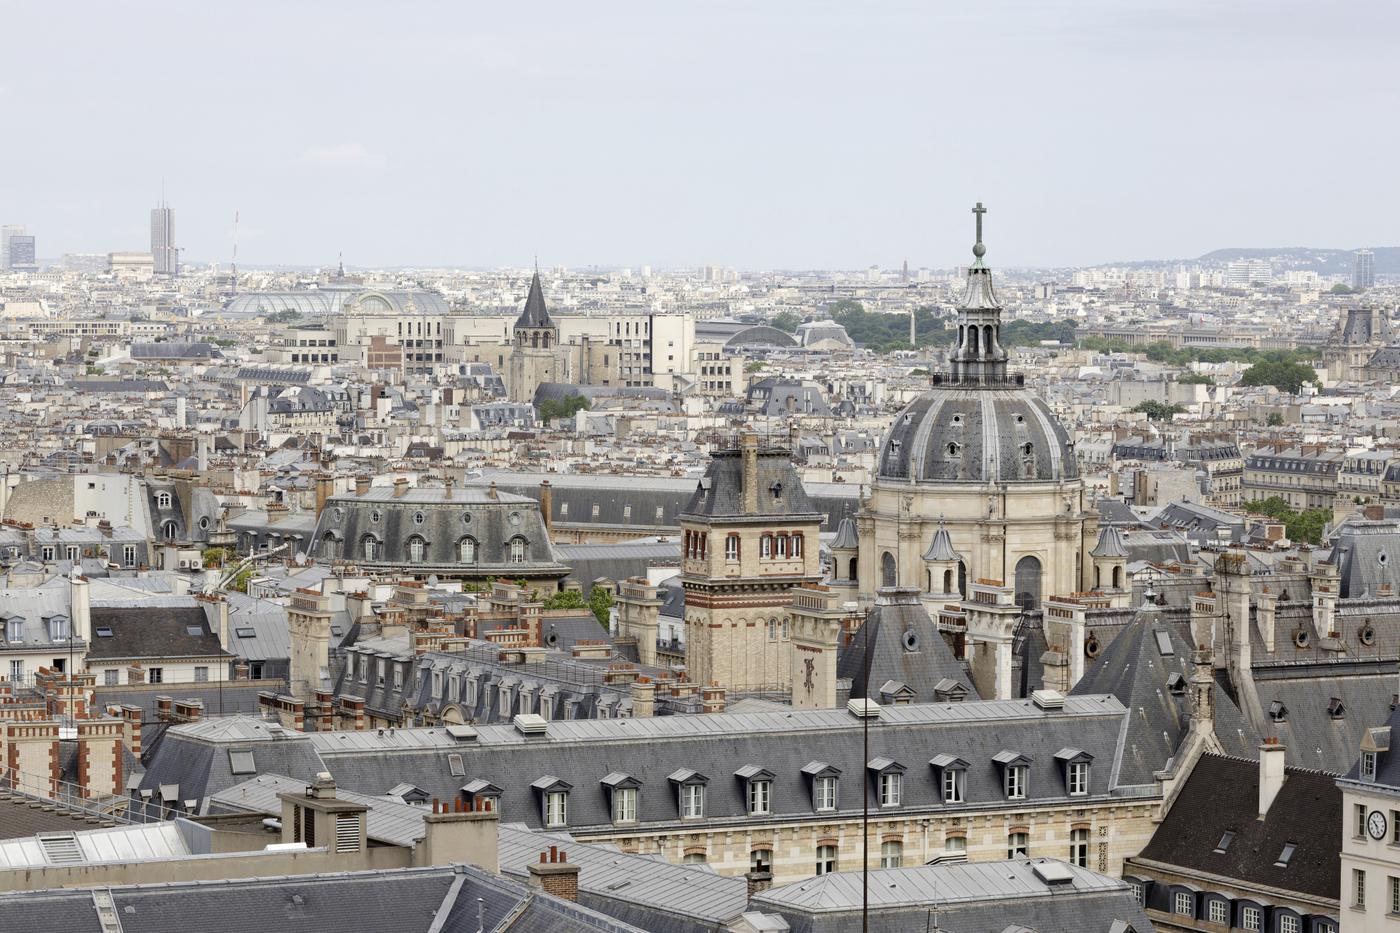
column 753, row 134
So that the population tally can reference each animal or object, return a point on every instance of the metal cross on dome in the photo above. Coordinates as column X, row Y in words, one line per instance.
column 979, row 210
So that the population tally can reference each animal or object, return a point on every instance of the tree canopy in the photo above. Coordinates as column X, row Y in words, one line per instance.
column 786, row 320
column 885, row 333
column 1157, row 411
column 1285, row 375
column 1305, row 526
column 566, row 407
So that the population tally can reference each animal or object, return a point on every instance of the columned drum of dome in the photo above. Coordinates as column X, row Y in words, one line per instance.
column 985, row 456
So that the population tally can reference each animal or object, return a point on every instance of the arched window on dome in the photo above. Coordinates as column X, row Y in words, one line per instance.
column 888, row 575
column 1028, row 582
column 466, row 550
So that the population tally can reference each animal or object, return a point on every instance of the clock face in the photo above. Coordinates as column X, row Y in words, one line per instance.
column 1376, row 825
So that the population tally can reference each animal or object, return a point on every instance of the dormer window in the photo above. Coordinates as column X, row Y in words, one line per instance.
column 1015, row 773
column 1368, row 766
column 690, row 788
column 624, row 789
column 59, row 629
column 485, row 795
column 759, row 786
column 163, row 500
column 14, row 630
column 1336, row 709
column 889, row 781
column 554, row 800
column 825, row 782
column 1176, row 684
column 953, row 777
column 1278, row 712
column 1076, row 770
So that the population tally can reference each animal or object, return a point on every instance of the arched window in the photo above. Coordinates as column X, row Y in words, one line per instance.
column 1028, row 582
column 369, row 547
column 1098, row 578
column 517, row 550
column 851, row 571
column 168, row 530
column 163, row 500
column 962, row 579
column 948, row 581
column 466, row 550
column 888, row 576
column 417, row 549
column 1117, row 578
column 972, row 340
column 328, row 546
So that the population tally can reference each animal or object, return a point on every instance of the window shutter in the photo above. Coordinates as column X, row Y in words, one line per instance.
column 347, row 832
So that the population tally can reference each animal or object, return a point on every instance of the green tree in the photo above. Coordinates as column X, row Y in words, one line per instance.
column 1340, row 289
column 1306, row 526
column 1195, row 379
column 240, row 580
column 1157, row 411
column 566, row 407
column 600, row 600
column 284, row 317
column 566, row 599
column 1286, row 376
column 215, row 556
column 786, row 320
column 1275, row 420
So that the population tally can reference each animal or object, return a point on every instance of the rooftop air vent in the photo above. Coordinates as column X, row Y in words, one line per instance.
column 1048, row 699
column 530, row 724
column 462, row 733
column 1053, row 873
column 863, row 709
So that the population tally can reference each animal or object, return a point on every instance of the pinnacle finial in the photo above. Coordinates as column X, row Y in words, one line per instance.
column 979, row 249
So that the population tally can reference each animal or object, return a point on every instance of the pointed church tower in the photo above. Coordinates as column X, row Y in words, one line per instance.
column 535, row 357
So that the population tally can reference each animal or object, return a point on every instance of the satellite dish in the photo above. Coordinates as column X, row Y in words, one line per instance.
column 433, row 580
column 301, row 557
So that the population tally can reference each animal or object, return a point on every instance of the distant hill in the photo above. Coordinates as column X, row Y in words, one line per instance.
column 1321, row 261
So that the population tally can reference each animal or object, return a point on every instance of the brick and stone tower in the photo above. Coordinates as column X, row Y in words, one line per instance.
column 749, row 535
column 535, row 357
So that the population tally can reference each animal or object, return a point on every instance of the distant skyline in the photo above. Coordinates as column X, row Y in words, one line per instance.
column 775, row 135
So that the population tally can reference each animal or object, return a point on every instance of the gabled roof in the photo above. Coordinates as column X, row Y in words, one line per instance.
column 535, row 314
column 1222, row 795
column 905, row 647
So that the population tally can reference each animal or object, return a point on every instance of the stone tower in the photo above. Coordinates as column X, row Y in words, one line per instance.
column 535, row 357
column 749, row 535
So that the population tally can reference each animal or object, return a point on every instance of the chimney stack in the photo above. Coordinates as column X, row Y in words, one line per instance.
column 1271, row 776
column 547, row 505
column 400, row 487
column 361, row 484
column 748, row 445
column 555, row 875
column 456, row 832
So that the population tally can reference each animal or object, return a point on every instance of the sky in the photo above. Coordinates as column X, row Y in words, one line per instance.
column 759, row 135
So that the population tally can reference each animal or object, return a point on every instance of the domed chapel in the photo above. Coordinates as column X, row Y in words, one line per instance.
column 976, row 481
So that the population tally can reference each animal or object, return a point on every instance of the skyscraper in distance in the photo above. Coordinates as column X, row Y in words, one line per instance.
column 7, row 231
column 1363, row 274
column 163, row 240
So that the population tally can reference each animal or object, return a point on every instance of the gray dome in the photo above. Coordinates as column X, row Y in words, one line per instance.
column 977, row 435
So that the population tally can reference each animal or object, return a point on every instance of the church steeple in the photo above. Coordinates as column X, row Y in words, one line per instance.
column 978, row 356
column 535, row 327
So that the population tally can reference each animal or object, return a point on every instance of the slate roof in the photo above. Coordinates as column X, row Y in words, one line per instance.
column 1134, row 669
column 905, row 648
column 1110, row 544
column 974, row 897
column 720, row 492
column 977, row 435
column 583, row 752
column 534, row 314
column 413, row 900
column 1222, row 795
column 846, row 536
column 151, row 632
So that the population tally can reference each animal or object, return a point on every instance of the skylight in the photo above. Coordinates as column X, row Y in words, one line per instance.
column 103, row 631
column 245, row 633
column 1164, row 644
column 1285, row 855
column 1225, row 839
